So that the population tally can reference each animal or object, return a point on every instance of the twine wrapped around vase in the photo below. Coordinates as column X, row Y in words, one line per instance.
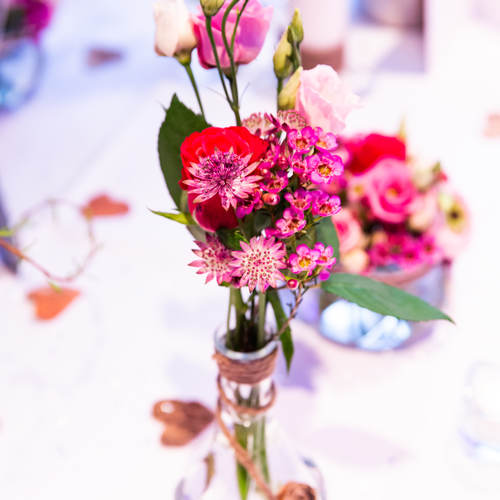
column 252, row 373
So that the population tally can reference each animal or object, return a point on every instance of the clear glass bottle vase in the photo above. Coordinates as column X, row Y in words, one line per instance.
column 219, row 476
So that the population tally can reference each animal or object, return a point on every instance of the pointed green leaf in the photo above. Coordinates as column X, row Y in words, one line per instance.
column 381, row 298
column 179, row 122
column 180, row 217
column 281, row 318
column 326, row 232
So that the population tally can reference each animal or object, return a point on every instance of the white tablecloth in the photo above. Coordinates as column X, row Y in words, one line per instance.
column 76, row 392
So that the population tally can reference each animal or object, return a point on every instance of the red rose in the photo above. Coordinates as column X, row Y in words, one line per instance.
column 246, row 148
column 365, row 151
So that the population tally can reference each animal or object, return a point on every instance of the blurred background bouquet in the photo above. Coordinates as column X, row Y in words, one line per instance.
column 400, row 214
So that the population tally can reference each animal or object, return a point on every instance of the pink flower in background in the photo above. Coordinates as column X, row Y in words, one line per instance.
column 348, row 229
column 250, row 36
column 389, row 191
column 430, row 252
column 324, row 204
column 304, row 261
column 174, row 28
column 424, row 212
column 215, row 260
column 324, row 100
column 259, row 263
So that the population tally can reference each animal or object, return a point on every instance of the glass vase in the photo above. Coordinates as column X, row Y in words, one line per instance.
column 354, row 326
column 245, row 418
column 21, row 65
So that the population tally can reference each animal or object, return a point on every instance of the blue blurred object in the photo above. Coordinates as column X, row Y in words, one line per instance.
column 10, row 261
column 21, row 64
column 351, row 325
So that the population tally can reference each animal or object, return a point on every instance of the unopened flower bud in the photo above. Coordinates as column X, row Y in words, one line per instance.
column 286, row 99
column 211, row 7
column 283, row 66
column 296, row 29
column 271, row 198
column 292, row 284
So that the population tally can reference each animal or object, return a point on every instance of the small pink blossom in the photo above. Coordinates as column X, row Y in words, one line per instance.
column 302, row 141
column 324, row 167
column 327, row 142
column 274, row 183
column 215, row 260
column 300, row 199
column 304, row 260
column 299, row 165
column 259, row 262
column 252, row 30
column 324, row 100
column 389, row 190
column 292, row 222
column 326, row 259
column 248, row 205
column 225, row 174
column 325, row 205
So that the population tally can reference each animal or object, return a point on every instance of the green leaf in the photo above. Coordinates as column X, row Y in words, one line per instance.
column 261, row 221
column 179, row 122
column 326, row 232
column 381, row 298
column 231, row 238
column 281, row 318
column 180, row 217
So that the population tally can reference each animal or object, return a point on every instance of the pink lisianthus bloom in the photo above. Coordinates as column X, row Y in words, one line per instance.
column 324, row 100
column 259, row 262
column 304, row 260
column 324, row 204
column 250, row 35
column 348, row 229
column 389, row 191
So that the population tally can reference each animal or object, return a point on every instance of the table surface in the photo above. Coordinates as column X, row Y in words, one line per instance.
column 76, row 392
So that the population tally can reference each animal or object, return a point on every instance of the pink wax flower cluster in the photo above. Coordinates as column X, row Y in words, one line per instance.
column 399, row 214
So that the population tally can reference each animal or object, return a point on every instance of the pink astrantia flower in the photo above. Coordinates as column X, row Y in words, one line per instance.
column 324, row 167
column 252, row 30
column 292, row 222
column 324, row 204
column 300, row 199
column 225, row 174
column 326, row 140
column 304, row 260
column 302, row 141
column 215, row 260
column 259, row 262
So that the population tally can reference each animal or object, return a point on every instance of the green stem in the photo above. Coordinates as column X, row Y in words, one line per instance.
column 189, row 71
column 261, row 333
column 278, row 92
column 208, row 24
column 296, row 57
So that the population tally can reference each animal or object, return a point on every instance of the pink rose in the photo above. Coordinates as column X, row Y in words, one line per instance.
column 252, row 31
column 348, row 229
column 389, row 191
column 324, row 100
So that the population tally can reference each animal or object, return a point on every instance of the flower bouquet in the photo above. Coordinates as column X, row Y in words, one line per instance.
column 401, row 223
column 253, row 196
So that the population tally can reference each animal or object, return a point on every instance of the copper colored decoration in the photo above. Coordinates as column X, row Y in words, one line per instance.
column 51, row 301
column 104, row 206
column 296, row 491
column 183, row 420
